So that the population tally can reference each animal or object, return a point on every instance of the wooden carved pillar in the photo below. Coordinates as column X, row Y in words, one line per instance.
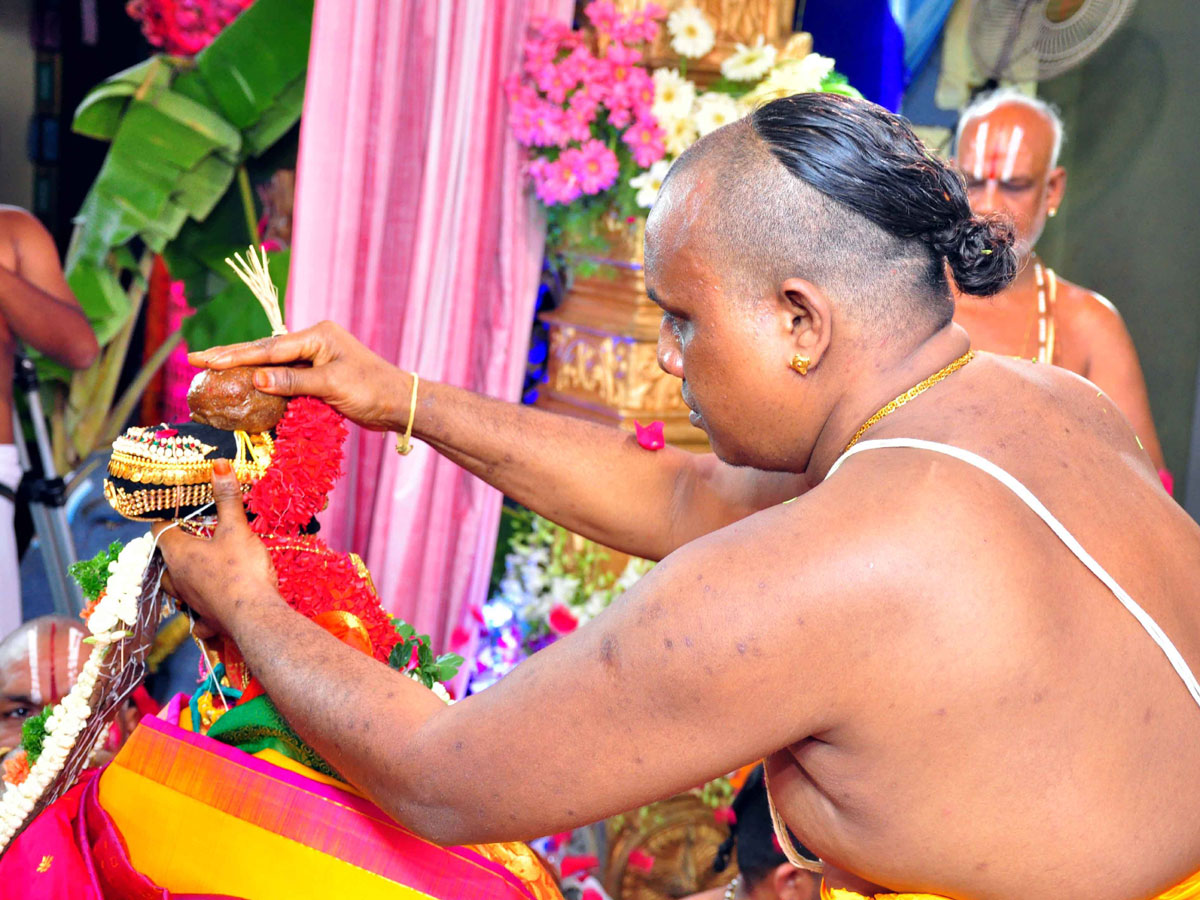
column 603, row 361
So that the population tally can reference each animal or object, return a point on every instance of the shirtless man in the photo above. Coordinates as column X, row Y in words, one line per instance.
column 950, row 702
column 37, row 308
column 1008, row 147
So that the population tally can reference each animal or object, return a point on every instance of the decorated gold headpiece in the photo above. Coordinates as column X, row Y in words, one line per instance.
column 165, row 471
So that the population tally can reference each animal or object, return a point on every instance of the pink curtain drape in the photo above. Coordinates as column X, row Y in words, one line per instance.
column 414, row 231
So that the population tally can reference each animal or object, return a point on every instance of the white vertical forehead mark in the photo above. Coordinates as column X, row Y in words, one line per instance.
column 981, row 134
column 35, row 677
column 75, row 642
column 1010, row 158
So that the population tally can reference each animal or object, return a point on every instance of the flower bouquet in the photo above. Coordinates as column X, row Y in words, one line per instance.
column 603, row 130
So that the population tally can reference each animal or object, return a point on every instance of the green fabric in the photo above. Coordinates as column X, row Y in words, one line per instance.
column 257, row 725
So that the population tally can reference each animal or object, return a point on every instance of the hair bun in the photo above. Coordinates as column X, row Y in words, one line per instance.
column 980, row 253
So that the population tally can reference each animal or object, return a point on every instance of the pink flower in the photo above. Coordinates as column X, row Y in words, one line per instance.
column 561, row 620
column 602, row 14
column 639, row 94
column 554, row 182
column 577, row 121
column 534, row 124
column 620, row 117
column 557, row 81
column 544, row 126
column 594, row 165
column 572, row 865
column 537, row 54
column 641, row 25
column 620, row 55
column 645, row 141
column 725, row 815
column 650, row 436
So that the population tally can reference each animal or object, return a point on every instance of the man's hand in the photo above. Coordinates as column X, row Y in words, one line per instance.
column 339, row 370
column 215, row 577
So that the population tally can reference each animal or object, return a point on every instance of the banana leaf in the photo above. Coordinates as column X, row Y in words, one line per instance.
column 179, row 131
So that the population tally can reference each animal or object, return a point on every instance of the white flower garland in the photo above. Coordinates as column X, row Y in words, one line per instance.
column 116, row 611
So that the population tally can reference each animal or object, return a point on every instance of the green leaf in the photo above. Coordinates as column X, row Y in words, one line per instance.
column 245, row 73
column 276, row 120
column 33, row 735
column 92, row 574
column 100, row 112
column 102, row 297
column 201, row 189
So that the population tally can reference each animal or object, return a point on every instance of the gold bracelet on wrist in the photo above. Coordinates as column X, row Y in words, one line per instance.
column 404, row 441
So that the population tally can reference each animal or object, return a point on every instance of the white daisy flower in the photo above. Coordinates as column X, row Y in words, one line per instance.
column 714, row 110
column 749, row 63
column 673, row 95
column 649, row 183
column 681, row 134
column 691, row 34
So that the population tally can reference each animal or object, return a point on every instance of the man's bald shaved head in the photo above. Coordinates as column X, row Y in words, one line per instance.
column 840, row 193
column 761, row 225
column 986, row 103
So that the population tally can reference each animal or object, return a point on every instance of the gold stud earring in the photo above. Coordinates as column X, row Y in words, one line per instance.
column 1054, row 212
column 800, row 363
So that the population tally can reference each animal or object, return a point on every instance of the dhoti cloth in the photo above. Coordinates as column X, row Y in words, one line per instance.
column 177, row 815
column 1187, row 890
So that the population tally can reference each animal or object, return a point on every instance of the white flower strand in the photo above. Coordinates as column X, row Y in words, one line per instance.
column 67, row 720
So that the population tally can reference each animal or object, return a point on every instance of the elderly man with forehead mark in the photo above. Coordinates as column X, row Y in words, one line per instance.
column 39, row 663
column 1008, row 146
column 965, row 649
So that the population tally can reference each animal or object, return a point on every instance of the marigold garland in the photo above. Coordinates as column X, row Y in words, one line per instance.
column 306, row 464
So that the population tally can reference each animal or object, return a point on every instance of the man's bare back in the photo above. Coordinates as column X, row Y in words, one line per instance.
column 1090, row 339
column 1011, row 685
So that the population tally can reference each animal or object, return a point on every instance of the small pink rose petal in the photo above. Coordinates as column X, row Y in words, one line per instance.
column 562, row 621
column 640, row 859
column 650, row 436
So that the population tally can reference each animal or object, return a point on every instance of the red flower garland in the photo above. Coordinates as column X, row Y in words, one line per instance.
column 306, row 464
column 315, row 580
column 184, row 27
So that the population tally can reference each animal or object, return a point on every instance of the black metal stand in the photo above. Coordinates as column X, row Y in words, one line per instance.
column 46, row 494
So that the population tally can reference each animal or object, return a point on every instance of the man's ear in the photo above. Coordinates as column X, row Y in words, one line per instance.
column 807, row 314
column 790, row 883
column 1056, row 187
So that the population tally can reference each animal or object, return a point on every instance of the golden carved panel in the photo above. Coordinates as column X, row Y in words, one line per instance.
column 611, row 370
column 681, row 836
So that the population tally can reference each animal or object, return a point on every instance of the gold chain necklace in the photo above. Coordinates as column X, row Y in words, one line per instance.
column 915, row 391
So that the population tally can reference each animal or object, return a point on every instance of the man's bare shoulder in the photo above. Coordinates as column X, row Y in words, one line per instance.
column 16, row 222
column 1085, row 311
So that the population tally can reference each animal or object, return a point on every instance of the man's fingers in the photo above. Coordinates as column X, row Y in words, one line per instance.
column 170, row 538
column 300, row 346
column 289, row 381
column 227, row 494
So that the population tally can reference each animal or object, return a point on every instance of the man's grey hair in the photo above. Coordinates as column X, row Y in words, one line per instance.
column 985, row 103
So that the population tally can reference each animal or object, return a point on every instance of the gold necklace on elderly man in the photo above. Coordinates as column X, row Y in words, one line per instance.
column 915, row 391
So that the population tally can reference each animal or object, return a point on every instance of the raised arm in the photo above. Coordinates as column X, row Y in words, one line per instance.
column 35, row 300
column 633, row 707
column 652, row 502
